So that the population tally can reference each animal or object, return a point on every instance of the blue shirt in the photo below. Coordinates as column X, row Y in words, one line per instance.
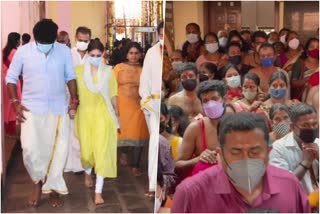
column 44, row 78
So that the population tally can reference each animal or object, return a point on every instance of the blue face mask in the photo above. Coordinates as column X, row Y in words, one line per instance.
column 44, row 48
column 95, row 60
column 278, row 93
column 267, row 62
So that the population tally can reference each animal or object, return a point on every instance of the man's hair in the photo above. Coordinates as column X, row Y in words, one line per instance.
column 83, row 30
column 231, row 44
column 267, row 45
column 193, row 24
column 257, row 34
column 159, row 27
column 212, row 85
column 187, row 66
column 45, row 31
column 243, row 121
column 26, row 37
column 300, row 109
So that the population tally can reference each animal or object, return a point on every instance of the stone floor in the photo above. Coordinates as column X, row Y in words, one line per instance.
column 123, row 194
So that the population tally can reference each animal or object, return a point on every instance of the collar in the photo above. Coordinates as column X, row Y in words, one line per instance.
column 289, row 141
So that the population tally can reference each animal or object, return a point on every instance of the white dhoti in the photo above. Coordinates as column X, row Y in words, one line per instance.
column 44, row 141
column 152, row 119
column 73, row 160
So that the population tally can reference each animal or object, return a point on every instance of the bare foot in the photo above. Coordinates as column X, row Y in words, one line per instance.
column 36, row 195
column 123, row 159
column 136, row 172
column 98, row 199
column 88, row 180
column 55, row 200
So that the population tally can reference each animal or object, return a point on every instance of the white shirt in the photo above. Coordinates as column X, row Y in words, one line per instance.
column 76, row 57
column 286, row 154
column 151, row 76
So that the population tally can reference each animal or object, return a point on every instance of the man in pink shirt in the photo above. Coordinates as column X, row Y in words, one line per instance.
column 244, row 182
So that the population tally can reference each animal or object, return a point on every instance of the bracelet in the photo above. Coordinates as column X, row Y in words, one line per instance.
column 305, row 167
column 14, row 100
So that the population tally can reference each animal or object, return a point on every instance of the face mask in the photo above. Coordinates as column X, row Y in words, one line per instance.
column 176, row 64
column 234, row 81
column 293, row 44
column 281, row 128
column 249, row 95
column 189, row 84
column 213, row 109
column 203, row 77
column 278, row 93
column 267, row 62
column 271, row 42
column 308, row 135
column 314, row 53
column 161, row 42
column 283, row 39
column 212, row 47
column 246, row 174
column 192, row 38
column 162, row 127
column 44, row 48
column 96, row 61
column 223, row 41
column 235, row 60
column 82, row 46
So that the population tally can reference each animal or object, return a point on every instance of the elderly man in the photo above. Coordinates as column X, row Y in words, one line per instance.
column 46, row 67
column 298, row 151
column 149, row 90
column 244, row 182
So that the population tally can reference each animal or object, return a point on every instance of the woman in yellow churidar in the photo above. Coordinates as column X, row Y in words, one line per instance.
column 96, row 121
column 134, row 131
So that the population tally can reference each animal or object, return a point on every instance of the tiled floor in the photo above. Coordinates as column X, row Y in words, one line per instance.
column 123, row 194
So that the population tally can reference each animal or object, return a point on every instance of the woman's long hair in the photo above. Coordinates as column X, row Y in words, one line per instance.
column 12, row 43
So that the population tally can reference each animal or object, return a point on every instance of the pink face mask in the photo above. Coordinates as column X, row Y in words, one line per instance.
column 213, row 109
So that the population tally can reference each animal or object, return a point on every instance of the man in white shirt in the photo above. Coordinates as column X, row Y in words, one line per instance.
column 298, row 151
column 79, row 52
column 149, row 90
column 79, row 55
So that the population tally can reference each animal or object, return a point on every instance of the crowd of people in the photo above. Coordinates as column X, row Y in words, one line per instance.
column 239, row 123
column 75, row 109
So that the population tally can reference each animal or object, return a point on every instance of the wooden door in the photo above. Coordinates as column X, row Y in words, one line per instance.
column 223, row 15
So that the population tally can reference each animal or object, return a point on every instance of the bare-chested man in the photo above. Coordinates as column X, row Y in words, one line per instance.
column 267, row 57
column 252, row 59
column 187, row 99
column 192, row 151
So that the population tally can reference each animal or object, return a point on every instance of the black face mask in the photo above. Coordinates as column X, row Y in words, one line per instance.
column 162, row 126
column 235, row 60
column 308, row 135
column 189, row 84
column 203, row 77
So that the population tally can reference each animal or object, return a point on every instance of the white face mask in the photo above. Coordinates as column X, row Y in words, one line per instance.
column 234, row 81
column 223, row 41
column 176, row 64
column 192, row 38
column 82, row 46
column 283, row 39
column 294, row 43
column 212, row 47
